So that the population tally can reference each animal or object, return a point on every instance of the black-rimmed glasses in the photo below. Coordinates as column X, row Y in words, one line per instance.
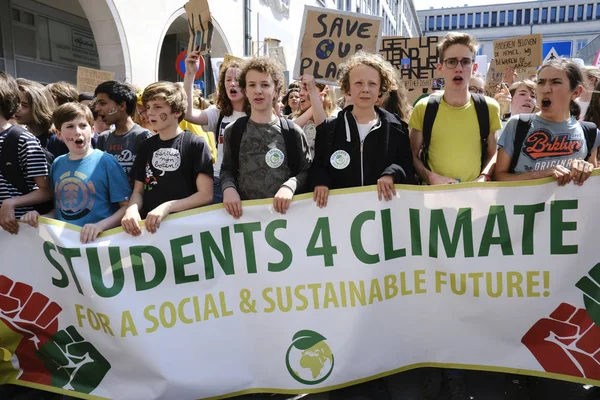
column 451, row 63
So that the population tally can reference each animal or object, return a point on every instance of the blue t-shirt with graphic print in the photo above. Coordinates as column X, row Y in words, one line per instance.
column 87, row 191
column 547, row 144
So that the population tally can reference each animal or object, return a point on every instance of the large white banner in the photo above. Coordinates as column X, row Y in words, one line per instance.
column 497, row 277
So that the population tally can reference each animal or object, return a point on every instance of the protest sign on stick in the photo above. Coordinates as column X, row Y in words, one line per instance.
column 416, row 60
column 329, row 37
column 200, row 26
column 521, row 53
column 88, row 79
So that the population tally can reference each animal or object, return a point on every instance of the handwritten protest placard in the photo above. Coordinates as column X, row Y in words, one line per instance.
column 88, row 79
column 521, row 52
column 200, row 26
column 416, row 60
column 329, row 37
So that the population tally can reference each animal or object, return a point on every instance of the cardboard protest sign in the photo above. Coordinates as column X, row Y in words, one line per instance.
column 227, row 58
column 278, row 54
column 416, row 60
column 329, row 37
column 493, row 79
column 88, row 79
column 519, row 52
column 200, row 26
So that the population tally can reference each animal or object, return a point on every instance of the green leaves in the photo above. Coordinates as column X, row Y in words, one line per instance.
column 306, row 339
column 591, row 291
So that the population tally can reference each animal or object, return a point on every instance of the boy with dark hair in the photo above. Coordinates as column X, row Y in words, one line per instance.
column 115, row 103
column 173, row 170
column 264, row 156
column 31, row 164
column 90, row 188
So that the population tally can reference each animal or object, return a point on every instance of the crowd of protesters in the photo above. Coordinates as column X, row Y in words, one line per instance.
column 164, row 149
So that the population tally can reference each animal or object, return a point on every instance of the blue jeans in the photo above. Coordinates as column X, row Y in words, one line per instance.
column 217, row 193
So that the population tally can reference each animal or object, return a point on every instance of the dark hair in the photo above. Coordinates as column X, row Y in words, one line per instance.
column 593, row 111
column 9, row 96
column 63, row 92
column 397, row 103
column 287, row 110
column 574, row 74
column 69, row 112
column 41, row 109
column 119, row 93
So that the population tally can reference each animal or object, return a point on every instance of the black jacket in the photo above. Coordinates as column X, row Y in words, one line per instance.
column 386, row 151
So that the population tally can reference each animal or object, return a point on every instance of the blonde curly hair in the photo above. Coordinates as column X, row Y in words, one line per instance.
column 376, row 61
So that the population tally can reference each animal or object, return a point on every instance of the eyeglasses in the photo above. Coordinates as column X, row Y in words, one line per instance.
column 475, row 89
column 451, row 63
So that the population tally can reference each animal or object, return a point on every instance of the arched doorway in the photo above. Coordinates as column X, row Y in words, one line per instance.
column 175, row 41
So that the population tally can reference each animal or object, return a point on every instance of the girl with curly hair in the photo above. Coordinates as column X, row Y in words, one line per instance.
column 365, row 144
column 231, row 105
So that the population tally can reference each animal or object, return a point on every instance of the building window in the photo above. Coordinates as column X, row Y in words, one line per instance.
column 470, row 21
column 589, row 15
column 597, row 10
column 561, row 14
column 511, row 16
column 348, row 5
column 431, row 23
column 544, row 15
column 519, row 19
column 340, row 4
column 536, row 15
column 438, row 21
column 571, row 13
column 527, row 17
column 462, row 21
column 552, row 15
column 454, row 21
column 486, row 19
column 502, row 18
column 446, row 22
column 477, row 20
column 581, row 44
column 580, row 12
column 494, row 18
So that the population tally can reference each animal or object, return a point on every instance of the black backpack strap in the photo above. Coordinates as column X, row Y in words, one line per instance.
column 235, row 139
column 9, row 156
column 589, row 131
column 520, row 134
column 483, row 118
column 288, row 130
column 217, row 131
column 433, row 105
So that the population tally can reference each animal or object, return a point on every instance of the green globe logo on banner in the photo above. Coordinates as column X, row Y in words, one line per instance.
column 309, row 359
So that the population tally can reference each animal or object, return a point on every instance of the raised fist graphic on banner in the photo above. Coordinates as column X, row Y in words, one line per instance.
column 590, row 286
column 29, row 318
column 567, row 342
column 74, row 363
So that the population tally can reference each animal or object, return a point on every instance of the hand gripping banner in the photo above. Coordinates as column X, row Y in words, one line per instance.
column 499, row 276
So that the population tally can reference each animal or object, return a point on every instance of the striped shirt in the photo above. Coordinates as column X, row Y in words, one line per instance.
column 32, row 162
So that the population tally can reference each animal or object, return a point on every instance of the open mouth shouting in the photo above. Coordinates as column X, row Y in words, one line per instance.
column 546, row 103
column 458, row 80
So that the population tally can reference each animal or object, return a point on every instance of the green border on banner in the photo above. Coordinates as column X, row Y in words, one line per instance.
column 336, row 192
column 472, row 367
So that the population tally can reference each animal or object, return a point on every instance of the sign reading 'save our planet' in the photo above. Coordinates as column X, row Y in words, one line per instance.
column 329, row 37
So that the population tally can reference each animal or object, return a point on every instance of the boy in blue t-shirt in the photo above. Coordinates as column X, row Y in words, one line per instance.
column 90, row 187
